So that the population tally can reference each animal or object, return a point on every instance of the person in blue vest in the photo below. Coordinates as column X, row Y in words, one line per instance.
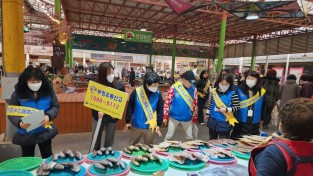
column 217, row 112
column 143, row 100
column 249, row 115
column 181, row 106
column 34, row 91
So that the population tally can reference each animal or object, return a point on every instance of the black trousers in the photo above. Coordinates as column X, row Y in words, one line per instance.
column 201, row 103
column 45, row 150
column 268, row 115
column 132, row 83
column 221, row 135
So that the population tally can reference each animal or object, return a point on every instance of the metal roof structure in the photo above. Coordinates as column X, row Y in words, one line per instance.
column 110, row 17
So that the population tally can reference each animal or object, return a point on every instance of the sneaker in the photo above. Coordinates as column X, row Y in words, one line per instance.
column 201, row 124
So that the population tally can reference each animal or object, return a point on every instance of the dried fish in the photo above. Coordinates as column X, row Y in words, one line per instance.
column 122, row 164
column 58, row 167
column 112, row 160
column 78, row 155
column 99, row 152
column 51, row 165
column 99, row 166
column 103, row 149
column 41, row 171
column 55, row 157
column 69, row 153
column 105, row 162
column 135, row 162
column 74, row 167
column 126, row 150
column 61, row 154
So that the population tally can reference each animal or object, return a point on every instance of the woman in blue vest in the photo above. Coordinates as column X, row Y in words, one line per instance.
column 249, row 117
column 218, row 126
column 34, row 91
column 106, row 78
column 181, row 106
column 136, row 117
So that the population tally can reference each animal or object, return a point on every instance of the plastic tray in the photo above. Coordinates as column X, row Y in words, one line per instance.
column 67, row 159
column 15, row 173
column 115, row 171
column 68, row 172
column 171, row 150
column 135, row 154
column 189, row 165
column 201, row 147
column 90, row 159
column 240, row 155
column 22, row 163
column 150, row 167
column 223, row 161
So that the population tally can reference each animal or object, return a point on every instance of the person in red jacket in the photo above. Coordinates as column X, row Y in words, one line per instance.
column 292, row 152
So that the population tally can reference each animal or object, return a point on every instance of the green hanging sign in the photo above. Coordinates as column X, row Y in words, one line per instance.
column 137, row 36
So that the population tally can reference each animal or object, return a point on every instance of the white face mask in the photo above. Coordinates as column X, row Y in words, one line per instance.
column 153, row 89
column 34, row 86
column 110, row 78
column 251, row 83
column 223, row 88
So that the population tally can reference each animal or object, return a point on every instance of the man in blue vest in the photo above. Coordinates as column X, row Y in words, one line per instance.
column 144, row 104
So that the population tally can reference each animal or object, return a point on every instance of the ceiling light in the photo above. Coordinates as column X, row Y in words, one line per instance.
column 252, row 16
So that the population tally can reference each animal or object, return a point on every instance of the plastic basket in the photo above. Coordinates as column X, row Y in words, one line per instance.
column 68, row 172
column 15, row 173
column 91, row 159
column 150, row 166
column 188, row 165
column 114, row 171
column 240, row 155
column 22, row 163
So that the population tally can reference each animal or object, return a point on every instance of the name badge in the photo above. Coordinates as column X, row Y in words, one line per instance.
column 250, row 113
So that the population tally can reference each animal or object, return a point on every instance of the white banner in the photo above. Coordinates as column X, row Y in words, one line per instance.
column 39, row 50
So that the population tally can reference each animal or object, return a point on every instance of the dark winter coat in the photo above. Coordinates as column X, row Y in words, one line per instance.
column 271, row 85
column 290, row 90
column 306, row 90
column 46, row 101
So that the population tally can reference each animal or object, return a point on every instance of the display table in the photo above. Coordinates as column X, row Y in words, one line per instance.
column 171, row 171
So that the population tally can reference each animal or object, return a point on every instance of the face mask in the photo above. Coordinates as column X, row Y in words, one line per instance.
column 110, row 78
column 251, row 83
column 34, row 86
column 153, row 89
column 223, row 88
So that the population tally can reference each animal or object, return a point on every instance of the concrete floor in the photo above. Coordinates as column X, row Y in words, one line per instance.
column 82, row 141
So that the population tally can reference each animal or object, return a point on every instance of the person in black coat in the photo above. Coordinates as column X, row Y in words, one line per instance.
column 203, row 93
column 34, row 91
column 106, row 78
column 132, row 77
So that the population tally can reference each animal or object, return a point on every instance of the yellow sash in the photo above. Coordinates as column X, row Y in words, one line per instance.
column 184, row 93
column 205, row 89
column 252, row 100
column 23, row 111
column 219, row 103
column 145, row 104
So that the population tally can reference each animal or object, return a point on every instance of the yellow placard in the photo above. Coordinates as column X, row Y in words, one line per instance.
column 105, row 99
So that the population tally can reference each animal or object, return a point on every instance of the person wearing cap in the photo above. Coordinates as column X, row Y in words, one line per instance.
column 145, row 110
column 181, row 106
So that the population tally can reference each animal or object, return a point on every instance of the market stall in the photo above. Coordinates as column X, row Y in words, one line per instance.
column 168, row 158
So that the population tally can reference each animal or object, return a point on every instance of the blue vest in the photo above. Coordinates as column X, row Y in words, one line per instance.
column 179, row 109
column 139, row 119
column 42, row 103
column 242, row 114
column 226, row 99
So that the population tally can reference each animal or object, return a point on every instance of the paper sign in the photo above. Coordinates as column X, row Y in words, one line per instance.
column 105, row 99
column 34, row 120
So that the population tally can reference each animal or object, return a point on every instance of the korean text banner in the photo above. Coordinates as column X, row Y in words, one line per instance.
column 138, row 36
column 105, row 99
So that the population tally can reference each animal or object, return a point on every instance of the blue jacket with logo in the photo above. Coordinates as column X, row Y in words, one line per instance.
column 179, row 110
column 226, row 99
column 242, row 114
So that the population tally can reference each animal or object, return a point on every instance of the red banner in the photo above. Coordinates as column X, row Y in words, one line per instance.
column 179, row 6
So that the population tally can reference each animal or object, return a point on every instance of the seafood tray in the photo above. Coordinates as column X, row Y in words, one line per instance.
column 224, row 143
column 15, row 173
column 188, row 161
column 102, row 154
column 137, row 150
column 170, row 147
column 109, row 166
column 61, row 169
column 21, row 163
column 148, row 164
column 219, row 155
column 66, row 156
